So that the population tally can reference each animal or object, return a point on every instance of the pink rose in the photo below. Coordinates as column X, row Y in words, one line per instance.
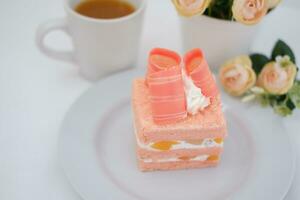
column 278, row 77
column 190, row 8
column 249, row 11
column 237, row 75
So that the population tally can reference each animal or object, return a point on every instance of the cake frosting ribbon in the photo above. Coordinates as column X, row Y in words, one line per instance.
column 197, row 68
column 164, row 80
column 168, row 90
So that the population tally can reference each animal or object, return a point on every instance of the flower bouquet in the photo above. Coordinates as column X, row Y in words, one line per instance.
column 222, row 28
column 244, row 11
column 270, row 80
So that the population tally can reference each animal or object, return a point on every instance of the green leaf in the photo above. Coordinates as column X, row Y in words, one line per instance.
column 274, row 100
column 220, row 9
column 258, row 62
column 290, row 104
column 294, row 94
column 283, row 105
column 280, row 98
column 282, row 49
column 264, row 100
column 282, row 110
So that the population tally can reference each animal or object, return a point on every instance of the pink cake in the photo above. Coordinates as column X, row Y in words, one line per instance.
column 189, row 141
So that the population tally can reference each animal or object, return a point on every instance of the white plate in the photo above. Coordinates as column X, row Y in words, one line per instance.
column 97, row 151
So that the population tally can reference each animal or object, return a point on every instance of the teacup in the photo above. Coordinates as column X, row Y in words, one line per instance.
column 100, row 46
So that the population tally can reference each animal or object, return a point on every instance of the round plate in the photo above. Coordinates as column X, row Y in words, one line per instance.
column 97, row 152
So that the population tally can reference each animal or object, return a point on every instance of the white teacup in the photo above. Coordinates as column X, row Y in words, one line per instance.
column 100, row 46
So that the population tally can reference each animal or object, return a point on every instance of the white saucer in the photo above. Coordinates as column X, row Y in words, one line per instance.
column 97, row 152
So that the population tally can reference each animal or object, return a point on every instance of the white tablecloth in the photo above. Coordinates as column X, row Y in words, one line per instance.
column 37, row 91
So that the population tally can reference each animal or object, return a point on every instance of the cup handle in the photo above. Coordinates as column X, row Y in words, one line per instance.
column 47, row 27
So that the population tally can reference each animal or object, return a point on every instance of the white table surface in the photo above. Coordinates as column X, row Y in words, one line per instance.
column 36, row 91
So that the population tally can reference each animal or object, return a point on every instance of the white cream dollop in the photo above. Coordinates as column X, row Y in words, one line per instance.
column 194, row 98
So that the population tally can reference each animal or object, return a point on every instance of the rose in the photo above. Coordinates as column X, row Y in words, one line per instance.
column 190, row 8
column 237, row 75
column 278, row 77
column 273, row 3
column 249, row 11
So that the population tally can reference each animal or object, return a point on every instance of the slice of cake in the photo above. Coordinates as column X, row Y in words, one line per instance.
column 178, row 119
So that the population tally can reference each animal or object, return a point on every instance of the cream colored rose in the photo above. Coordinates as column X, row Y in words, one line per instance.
column 249, row 11
column 190, row 8
column 277, row 77
column 273, row 3
column 237, row 75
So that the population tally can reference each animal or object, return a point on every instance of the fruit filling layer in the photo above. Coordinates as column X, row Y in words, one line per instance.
column 184, row 158
column 184, row 144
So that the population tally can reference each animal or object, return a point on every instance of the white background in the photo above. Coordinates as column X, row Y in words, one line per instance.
column 37, row 91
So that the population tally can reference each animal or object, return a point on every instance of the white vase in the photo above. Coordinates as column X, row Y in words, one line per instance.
column 219, row 39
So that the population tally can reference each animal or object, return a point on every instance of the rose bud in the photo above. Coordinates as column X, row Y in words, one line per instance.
column 237, row 75
column 278, row 77
column 190, row 8
column 249, row 11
